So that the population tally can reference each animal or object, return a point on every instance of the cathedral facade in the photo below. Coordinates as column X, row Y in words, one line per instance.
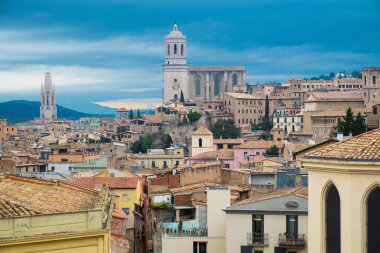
column 196, row 83
column 48, row 109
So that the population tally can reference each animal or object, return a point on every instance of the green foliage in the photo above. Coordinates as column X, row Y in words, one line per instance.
column 194, row 116
column 130, row 114
column 137, row 147
column 359, row 125
column 168, row 141
column 272, row 151
column 138, row 114
column 142, row 145
column 182, row 99
column 265, row 136
column 148, row 141
column 266, row 123
column 225, row 129
column 351, row 124
column 161, row 205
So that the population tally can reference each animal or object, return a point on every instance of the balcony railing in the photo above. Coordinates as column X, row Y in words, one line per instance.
column 258, row 239
column 291, row 240
column 184, row 229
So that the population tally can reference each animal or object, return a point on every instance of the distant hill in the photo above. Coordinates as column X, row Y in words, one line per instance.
column 21, row 110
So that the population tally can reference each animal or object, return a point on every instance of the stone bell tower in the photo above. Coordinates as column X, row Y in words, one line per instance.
column 48, row 109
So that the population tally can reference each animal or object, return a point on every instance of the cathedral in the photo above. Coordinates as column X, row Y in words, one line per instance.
column 196, row 83
column 48, row 109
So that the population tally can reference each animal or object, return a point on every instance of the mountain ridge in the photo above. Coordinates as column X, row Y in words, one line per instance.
column 23, row 110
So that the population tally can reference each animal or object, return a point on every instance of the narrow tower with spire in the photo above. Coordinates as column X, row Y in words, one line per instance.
column 48, row 109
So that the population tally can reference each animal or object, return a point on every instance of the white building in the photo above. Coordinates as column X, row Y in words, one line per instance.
column 196, row 83
column 273, row 222
column 48, row 109
column 192, row 238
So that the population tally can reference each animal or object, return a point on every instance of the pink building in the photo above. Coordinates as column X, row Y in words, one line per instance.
column 251, row 148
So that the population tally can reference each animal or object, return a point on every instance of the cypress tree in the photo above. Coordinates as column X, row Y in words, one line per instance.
column 130, row 114
column 359, row 125
column 138, row 114
column 182, row 99
column 346, row 125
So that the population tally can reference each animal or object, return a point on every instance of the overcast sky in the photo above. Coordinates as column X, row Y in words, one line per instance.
column 100, row 50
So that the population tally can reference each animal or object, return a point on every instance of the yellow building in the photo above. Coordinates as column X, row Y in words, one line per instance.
column 55, row 217
column 344, row 195
column 127, row 189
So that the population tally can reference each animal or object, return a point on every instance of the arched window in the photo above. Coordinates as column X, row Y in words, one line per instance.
column 365, row 80
column 374, row 80
column 332, row 222
column 216, row 85
column 168, row 50
column 197, row 85
column 175, row 49
column 234, row 79
column 373, row 221
column 200, row 142
column 182, row 49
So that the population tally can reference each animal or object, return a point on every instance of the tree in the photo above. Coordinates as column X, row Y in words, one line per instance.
column 168, row 141
column 137, row 147
column 225, row 129
column 267, row 124
column 346, row 125
column 148, row 141
column 130, row 114
column 272, row 151
column 138, row 114
column 359, row 125
column 194, row 116
column 182, row 99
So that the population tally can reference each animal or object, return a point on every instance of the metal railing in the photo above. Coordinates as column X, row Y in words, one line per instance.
column 291, row 240
column 257, row 239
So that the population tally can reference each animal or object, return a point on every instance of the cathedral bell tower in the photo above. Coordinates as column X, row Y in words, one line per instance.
column 175, row 66
column 48, row 109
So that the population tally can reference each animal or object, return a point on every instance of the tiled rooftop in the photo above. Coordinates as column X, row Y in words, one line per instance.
column 202, row 131
column 24, row 197
column 364, row 147
column 112, row 182
column 255, row 144
column 211, row 155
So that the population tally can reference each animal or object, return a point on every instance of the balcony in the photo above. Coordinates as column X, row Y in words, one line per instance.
column 291, row 240
column 257, row 239
column 183, row 229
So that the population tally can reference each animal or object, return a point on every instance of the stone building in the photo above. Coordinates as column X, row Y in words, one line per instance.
column 196, row 83
column 202, row 140
column 48, row 110
column 6, row 130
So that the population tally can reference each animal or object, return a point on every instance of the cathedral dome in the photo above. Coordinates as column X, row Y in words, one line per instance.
column 175, row 33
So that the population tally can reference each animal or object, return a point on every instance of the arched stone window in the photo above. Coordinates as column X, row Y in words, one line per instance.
column 234, row 79
column 216, row 85
column 197, row 85
column 182, row 49
column 373, row 221
column 168, row 50
column 332, row 220
column 175, row 49
column 374, row 80
column 200, row 142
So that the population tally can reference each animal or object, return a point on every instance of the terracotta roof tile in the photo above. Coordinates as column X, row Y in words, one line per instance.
column 364, row 147
column 211, row 155
column 24, row 196
column 255, row 144
column 202, row 131
column 113, row 182
column 258, row 196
